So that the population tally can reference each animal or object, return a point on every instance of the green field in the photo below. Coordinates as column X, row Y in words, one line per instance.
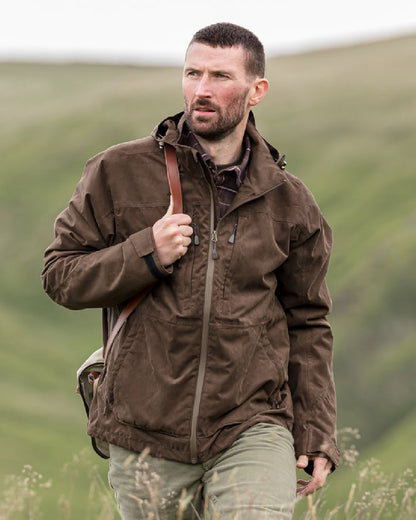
column 346, row 120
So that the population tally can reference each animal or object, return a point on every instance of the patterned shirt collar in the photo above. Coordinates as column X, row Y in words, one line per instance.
column 219, row 173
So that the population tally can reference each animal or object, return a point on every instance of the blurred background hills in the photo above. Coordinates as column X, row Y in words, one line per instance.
column 346, row 120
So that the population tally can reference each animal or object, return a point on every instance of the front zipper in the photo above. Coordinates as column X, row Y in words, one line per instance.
column 204, row 342
column 214, row 240
column 212, row 256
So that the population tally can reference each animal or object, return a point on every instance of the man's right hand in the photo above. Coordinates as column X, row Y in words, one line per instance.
column 172, row 234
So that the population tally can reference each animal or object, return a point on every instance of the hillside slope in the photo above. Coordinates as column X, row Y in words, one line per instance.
column 345, row 119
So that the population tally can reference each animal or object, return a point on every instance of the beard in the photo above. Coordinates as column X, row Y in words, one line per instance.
column 222, row 124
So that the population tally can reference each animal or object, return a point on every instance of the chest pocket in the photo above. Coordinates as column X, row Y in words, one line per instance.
column 260, row 244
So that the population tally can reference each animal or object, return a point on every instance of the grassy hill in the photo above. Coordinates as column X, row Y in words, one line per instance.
column 345, row 119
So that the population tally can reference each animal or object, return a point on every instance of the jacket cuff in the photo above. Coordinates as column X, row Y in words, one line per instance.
column 145, row 247
column 312, row 442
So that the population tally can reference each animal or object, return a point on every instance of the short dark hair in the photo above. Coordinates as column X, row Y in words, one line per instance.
column 230, row 35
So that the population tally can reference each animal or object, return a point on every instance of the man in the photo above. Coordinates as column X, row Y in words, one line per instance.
column 224, row 372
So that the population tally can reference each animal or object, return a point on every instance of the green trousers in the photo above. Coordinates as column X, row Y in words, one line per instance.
column 253, row 479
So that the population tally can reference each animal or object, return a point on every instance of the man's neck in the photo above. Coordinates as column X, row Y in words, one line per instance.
column 227, row 150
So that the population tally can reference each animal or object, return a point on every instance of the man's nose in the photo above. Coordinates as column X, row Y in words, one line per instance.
column 204, row 86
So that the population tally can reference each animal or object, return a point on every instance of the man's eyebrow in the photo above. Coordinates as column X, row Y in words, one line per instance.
column 222, row 71
column 190, row 69
column 226, row 72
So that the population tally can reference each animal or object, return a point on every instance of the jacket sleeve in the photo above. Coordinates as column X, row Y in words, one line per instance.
column 87, row 265
column 304, row 295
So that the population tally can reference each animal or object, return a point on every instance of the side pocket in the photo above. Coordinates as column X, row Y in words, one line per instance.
column 278, row 396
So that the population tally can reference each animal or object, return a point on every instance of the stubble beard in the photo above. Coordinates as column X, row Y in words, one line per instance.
column 222, row 125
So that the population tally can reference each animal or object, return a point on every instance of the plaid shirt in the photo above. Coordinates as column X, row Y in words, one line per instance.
column 227, row 179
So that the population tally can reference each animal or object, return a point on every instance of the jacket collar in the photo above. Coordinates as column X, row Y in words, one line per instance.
column 266, row 167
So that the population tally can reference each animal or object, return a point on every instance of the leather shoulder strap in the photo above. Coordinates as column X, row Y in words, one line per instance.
column 173, row 177
column 176, row 193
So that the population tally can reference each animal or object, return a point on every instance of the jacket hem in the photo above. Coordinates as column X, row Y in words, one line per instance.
column 165, row 446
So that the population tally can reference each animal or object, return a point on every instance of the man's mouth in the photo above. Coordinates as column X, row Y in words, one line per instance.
column 204, row 110
column 203, row 107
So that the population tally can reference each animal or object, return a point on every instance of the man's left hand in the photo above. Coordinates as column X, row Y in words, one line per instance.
column 321, row 469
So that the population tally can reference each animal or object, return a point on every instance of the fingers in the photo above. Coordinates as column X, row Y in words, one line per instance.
column 308, row 487
column 172, row 235
column 322, row 468
column 180, row 219
column 186, row 231
column 303, row 461
column 181, row 242
column 169, row 212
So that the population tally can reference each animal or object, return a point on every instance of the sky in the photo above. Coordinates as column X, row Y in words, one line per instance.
column 158, row 31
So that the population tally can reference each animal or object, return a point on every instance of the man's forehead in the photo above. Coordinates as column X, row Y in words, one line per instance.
column 204, row 54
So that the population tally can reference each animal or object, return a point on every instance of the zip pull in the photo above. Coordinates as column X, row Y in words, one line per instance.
column 231, row 240
column 214, row 239
column 196, row 237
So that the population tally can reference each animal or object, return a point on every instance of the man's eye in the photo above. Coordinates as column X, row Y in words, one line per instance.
column 222, row 75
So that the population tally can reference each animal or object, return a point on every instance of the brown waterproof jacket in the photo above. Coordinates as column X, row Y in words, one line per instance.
column 233, row 334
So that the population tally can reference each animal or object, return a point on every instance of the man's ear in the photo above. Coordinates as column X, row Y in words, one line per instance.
column 259, row 90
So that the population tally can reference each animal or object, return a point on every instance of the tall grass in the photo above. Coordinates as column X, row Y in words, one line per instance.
column 24, row 494
column 374, row 495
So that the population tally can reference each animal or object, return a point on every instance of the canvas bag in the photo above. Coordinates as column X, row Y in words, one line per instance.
column 89, row 372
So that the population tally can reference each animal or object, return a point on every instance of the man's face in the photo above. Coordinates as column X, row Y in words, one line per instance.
column 216, row 89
